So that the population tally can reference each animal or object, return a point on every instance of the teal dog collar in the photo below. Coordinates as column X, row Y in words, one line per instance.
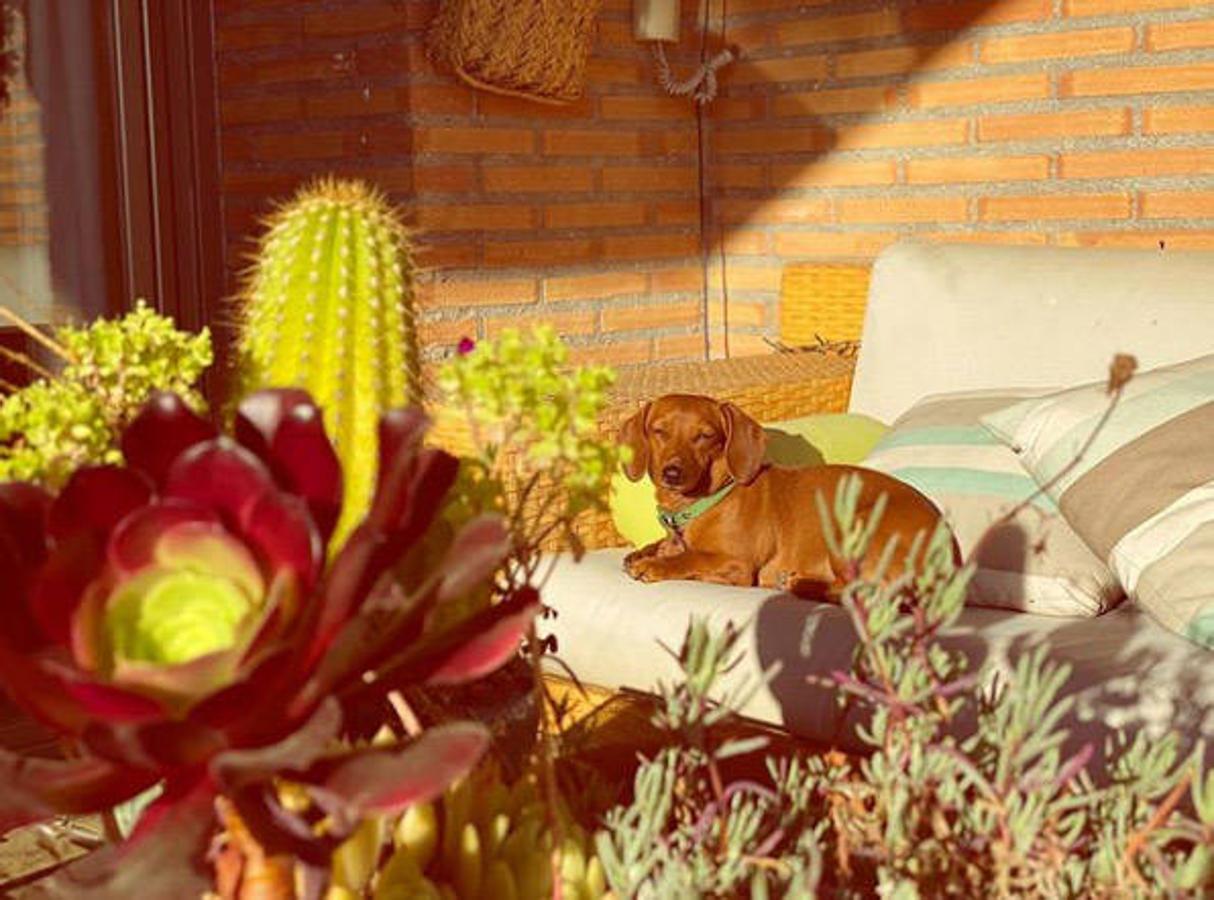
column 675, row 522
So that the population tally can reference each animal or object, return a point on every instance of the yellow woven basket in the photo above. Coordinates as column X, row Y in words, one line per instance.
column 535, row 49
column 822, row 301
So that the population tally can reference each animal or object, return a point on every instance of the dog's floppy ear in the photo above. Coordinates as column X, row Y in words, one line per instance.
column 745, row 444
column 633, row 435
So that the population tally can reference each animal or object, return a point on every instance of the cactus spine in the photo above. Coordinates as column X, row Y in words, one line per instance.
column 328, row 307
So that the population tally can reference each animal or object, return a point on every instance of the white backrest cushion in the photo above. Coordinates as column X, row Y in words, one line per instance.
column 956, row 317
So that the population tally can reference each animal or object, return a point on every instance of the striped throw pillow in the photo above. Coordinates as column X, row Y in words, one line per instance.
column 1142, row 494
column 1034, row 562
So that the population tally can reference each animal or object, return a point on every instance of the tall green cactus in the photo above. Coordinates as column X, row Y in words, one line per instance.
column 329, row 306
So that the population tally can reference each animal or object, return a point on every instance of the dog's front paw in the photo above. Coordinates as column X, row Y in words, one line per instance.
column 643, row 568
column 632, row 557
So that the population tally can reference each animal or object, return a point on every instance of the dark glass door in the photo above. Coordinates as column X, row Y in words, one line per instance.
column 108, row 160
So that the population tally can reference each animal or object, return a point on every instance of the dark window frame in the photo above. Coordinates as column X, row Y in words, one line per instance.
column 154, row 62
column 168, row 151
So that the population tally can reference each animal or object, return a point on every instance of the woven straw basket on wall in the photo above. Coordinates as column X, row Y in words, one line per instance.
column 534, row 49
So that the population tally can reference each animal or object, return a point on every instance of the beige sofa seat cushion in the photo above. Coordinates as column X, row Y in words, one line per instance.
column 1127, row 671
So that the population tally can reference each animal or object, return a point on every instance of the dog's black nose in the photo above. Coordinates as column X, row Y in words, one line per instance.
column 672, row 473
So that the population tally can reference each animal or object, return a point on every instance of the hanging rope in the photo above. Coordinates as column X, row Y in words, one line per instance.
column 702, row 85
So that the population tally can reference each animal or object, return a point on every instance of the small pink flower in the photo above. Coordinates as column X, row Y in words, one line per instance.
column 466, row 346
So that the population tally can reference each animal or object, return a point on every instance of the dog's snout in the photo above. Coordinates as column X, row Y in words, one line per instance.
column 672, row 473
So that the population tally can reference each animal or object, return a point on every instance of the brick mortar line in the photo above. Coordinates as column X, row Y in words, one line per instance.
column 345, row 81
column 1064, row 235
column 433, row 313
column 318, row 47
column 572, row 270
column 289, row 12
column 926, row 115
column 1057, row 16
column 452, row 121
column 567, row 198
column 566, row 232
column 969, row 227
column 900, row 41
column 431, row 157
column 1034, row 146
column 1062, row 186
column 466, row 275
column 976, row 70
column 445, row 312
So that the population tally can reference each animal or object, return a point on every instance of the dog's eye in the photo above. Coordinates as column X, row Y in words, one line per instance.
column 706, row 436
column 659, row 432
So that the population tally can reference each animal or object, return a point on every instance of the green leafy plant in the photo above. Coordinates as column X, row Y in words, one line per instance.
column 937, row 808
column 690, row 832
column 328, row 306
column 109, row 369
column 536, row 451
column 998, row 810
column 533, row 449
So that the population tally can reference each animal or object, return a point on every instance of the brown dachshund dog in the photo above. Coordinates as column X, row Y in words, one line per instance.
column 733, row 519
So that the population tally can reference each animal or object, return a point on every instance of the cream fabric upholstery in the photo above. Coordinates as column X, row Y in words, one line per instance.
column 943, row 318
column 1128, row 671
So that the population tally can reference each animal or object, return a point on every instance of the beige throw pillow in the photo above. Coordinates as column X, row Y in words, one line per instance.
column 1142, row 495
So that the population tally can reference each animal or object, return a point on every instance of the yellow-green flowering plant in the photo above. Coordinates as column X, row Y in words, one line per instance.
column 537, row 452
column 109, row 369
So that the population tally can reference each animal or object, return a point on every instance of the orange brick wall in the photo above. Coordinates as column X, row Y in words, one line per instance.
column 847, row 125
column 585, row 216
column 851, row 124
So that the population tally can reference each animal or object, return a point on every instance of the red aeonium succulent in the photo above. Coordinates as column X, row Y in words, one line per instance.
column 175, row 619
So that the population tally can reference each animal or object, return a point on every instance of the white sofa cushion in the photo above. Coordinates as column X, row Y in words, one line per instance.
column 959, row 317
column 1127, row 671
